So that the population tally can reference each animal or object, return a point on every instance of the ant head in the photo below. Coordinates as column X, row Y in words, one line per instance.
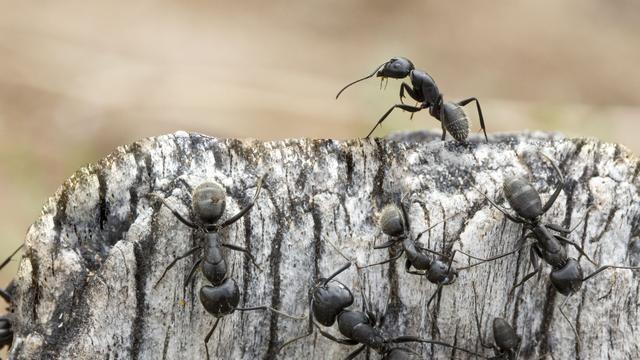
column 392, row 221
column 329, row 300
column 568, row 279
column 523, row 197
column 505, row 337
column 396, row 68
column 208, row 202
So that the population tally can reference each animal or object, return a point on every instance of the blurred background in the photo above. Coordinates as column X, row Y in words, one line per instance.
column 79, row 78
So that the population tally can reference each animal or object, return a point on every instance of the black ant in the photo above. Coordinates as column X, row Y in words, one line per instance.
column 222, row 296
column 6, row 327
column 424, row 90
column 506, row 341
column 566, row 274
column 437, row 267
column 328, row 303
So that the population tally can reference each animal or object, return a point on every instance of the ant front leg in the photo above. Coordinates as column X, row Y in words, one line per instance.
column 242, row 212
column 559, row 188
column 335, row 339
column 406, row 87
column 501, row 209
column 385, row 261
column 400, row 106
column 465, row 102
column 174, row 211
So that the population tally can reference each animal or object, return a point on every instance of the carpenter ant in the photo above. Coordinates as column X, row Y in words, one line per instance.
column 328, row 302
column 222, row 297
column 6, row 328
column 436, row 267
column 424, row 90
column 506, row 341
column 566, row 274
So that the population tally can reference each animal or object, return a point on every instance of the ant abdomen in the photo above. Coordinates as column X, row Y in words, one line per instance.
column 505, row 337
column 222, row 299
column 328, row 302
column 568, row 279
column 523, row 197
column 456, row 121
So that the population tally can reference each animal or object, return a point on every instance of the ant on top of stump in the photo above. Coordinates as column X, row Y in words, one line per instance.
column 424, row 90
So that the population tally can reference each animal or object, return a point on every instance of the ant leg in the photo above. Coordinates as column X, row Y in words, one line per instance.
column 434, row 225
column 566, row 318
column 238, row 248
column 437, row 292
column 190, row 252
column 186, row 184
column 385, row 261
column 241, row 213
column 333, row 338
column 406, row 338
column 465, row 102
column 605, row 267
column 555, row 194
column 576, row 246
column 407, row 267
column 386, row 244
column 343, row 268
column 264, row 307
column 482, row 261
column 401, row 106
column 186, row 281
column 6, row 261
column 6, row 296
column 309, row 327
column 355, row 353
column 502, row 210
column 533, row 254
column 174, row 211
column 444, row 130
column 562, row 229
column 206, row 339
column 406, row 87
column 475, row 310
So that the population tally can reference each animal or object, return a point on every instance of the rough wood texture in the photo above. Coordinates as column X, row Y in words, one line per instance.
column 84, row 288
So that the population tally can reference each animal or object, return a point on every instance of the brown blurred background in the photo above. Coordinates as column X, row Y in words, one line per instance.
column 79, row 78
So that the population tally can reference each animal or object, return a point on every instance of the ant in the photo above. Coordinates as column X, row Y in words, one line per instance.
column 222, row 296
column 6, row 327
column 328, row 303
column 566, row 274
column 438, row 269
column 424, row 90
column 506, row 341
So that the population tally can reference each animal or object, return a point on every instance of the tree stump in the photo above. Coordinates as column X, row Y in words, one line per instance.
column 84, row 289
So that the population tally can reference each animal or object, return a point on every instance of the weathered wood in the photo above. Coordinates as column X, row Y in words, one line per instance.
column 84, row 287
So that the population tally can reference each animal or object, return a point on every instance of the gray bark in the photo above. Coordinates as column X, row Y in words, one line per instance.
column 84, row 289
